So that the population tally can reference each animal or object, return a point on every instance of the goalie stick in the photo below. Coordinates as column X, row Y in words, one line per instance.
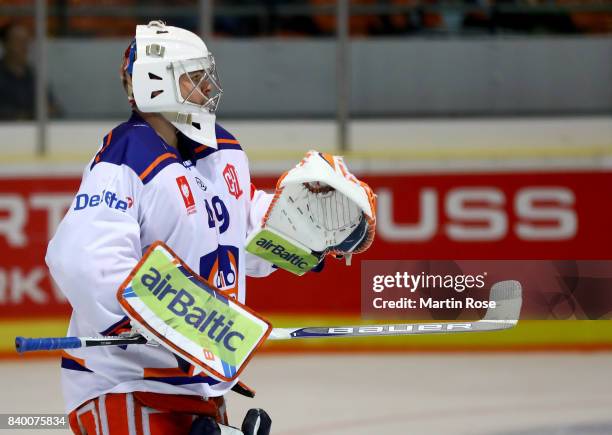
column 507, row 296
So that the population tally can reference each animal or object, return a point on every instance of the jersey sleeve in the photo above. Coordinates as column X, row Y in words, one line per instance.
column 97, row 244
column 260, row 201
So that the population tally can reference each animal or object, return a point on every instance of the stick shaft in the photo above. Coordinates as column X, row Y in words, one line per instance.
column 507, row 296
column 390, row 330
column 23, row 344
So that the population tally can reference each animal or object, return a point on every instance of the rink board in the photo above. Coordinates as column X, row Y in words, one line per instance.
column 404, row 232
column 421, row 216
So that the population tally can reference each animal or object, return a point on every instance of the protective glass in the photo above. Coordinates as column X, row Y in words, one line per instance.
column 197, row 82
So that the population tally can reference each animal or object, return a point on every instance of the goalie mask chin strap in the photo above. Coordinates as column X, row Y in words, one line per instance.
column 199, row 127
column 178, row 117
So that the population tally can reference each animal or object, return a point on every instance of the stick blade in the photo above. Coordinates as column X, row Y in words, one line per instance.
column 508, row 299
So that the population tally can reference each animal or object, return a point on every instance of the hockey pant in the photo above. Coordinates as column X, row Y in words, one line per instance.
column 141, row 413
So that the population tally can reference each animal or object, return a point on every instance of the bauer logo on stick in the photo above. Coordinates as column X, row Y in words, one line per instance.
column 170, row 304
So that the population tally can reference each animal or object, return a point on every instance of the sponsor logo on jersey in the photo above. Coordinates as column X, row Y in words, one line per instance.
column 182, row 304
column 185, row 190
column 220, row 268
column 280, row 251
column 108, row 198
column 231, row 179
column 201, row 184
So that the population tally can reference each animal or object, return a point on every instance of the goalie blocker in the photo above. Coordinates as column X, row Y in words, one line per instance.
column 170, row 304
column 319, row 208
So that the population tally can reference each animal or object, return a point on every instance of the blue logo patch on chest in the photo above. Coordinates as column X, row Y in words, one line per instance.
column 220, row 268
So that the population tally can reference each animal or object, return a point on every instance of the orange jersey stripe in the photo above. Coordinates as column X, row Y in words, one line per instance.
column 116, row 413
column 164, row 373
column 234, row 141
column 98, row 417
column 108, row 141
column 89, row 422
column 228, row 141
column 138, row 414
column 74, row 423
column 156, row 162
column 108, row 138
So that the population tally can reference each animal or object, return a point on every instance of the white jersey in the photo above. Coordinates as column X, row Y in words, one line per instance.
column 137, row 190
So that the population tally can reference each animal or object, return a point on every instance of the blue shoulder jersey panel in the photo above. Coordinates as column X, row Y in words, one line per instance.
column 136, row 145
column 225, row 138
column 195, row 151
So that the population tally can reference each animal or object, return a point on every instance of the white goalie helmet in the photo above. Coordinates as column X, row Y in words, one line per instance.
column 166, row 58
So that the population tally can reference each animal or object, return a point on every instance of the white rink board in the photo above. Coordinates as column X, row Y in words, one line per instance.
column 275, row 141
column 432, row 394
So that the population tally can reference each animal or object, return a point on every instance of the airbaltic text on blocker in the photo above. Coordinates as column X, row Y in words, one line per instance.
column 413, row 282
column 182, row 305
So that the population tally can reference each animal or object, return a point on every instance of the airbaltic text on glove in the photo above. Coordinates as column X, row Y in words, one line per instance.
column 280, row 251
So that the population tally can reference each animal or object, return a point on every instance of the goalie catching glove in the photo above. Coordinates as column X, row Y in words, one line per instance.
column 319, row 208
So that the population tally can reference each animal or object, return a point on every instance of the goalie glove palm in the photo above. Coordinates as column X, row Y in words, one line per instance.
column 319, row 207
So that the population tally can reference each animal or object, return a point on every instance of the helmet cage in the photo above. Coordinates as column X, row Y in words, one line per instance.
column 207, row 66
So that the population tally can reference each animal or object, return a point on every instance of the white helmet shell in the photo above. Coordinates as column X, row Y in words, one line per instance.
column 163, row 54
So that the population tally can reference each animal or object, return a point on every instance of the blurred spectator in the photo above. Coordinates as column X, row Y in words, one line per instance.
column 403, row 21
column 83, row 23
column 289, row 18
column 478, row 19
column 533, row 18
column 590, row 21
column 241, row 25
column 359, row 25
column 17, row 79
column 288, row 25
